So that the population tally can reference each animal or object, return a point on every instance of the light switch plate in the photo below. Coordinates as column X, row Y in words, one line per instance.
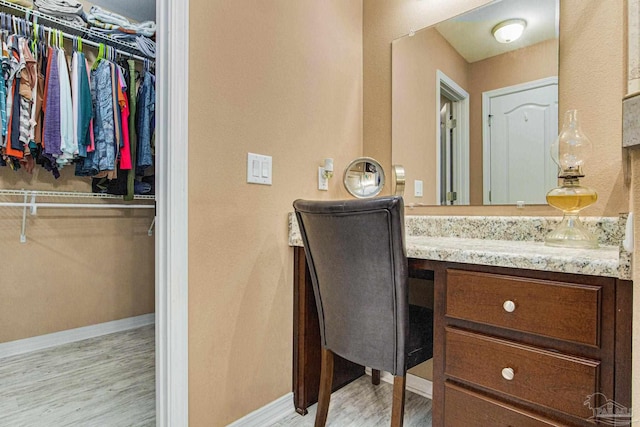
column 417, row 188
column 259, row 169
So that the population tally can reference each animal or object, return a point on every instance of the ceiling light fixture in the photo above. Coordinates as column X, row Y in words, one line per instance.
column 509, row 30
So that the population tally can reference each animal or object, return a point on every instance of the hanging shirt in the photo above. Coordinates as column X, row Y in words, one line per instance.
column 117, row 126
column 13, row 146
column 4, row 60
column 132, row 128
column 69, row 150
column 51, row 132
column 104, row 125
column 125, row 155
column 146, row 105
column 92, row 145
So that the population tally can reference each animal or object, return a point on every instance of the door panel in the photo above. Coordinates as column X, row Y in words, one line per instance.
column 523, row 124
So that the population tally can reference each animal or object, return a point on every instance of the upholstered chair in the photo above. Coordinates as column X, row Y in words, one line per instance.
column 356, row 255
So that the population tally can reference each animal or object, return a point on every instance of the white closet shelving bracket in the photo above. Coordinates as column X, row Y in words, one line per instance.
column 23, row 230
column 153, row 223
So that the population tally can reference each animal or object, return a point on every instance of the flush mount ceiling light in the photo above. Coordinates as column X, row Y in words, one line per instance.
column 509, row 30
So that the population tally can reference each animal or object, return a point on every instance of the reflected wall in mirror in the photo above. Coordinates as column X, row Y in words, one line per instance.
column 364, row 178
column 472, row 118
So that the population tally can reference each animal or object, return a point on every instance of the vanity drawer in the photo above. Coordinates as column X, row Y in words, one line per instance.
column 464, row 408
column 561, row 310
column 535, row 375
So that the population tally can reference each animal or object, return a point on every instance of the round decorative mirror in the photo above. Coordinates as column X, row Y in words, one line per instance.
column 364, row 178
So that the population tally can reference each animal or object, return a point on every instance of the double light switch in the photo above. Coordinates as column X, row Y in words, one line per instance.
column 259, row 168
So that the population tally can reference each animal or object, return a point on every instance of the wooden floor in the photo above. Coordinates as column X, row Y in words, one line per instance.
column 109, row 381
column 104, row 381
column 361, row 404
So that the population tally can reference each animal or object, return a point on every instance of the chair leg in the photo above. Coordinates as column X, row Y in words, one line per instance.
column 326, row 380
column 397, row 409
column 375, row 376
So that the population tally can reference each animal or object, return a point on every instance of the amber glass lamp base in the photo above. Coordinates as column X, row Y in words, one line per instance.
column 571, row 198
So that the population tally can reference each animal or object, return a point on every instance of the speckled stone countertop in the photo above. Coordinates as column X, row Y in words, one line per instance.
column 515, row 242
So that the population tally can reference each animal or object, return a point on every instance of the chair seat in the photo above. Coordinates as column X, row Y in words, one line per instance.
column 420, row 344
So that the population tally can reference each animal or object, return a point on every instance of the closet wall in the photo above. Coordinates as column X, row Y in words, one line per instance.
column 77, row 268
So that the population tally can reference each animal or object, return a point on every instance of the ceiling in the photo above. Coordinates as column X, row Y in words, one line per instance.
column 137, row 10
column 470, row 33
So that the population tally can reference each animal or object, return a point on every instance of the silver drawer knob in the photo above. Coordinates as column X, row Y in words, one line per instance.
column 508, row 374
column 509, row 306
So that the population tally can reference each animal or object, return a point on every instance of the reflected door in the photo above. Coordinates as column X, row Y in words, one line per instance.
column 521, row 123
column 447, row 124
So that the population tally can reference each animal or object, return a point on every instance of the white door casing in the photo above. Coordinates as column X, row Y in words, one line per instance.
column 172, row 119
column 446, row 86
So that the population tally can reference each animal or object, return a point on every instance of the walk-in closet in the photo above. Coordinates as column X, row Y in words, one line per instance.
column 77, row 212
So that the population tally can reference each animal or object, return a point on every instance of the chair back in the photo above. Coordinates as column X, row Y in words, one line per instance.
column 356, row 256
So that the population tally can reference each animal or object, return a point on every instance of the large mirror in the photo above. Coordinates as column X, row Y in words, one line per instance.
column 472, row 116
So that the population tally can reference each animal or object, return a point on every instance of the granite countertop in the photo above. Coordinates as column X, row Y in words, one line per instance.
column 427, row 238
column 516, row 254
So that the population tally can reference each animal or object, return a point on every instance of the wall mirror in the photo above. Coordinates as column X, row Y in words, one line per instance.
column 364, row 178
column 473, row 117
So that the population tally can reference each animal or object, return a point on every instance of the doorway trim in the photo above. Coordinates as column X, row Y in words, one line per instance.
column 446, row 86
column 486, row 131
column 172, row 119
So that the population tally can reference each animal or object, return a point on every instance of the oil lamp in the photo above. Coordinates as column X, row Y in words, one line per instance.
column 569, row 151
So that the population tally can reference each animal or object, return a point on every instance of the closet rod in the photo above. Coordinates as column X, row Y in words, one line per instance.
column 83, row 30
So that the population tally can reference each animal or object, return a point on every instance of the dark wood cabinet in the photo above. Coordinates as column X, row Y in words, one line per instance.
column 511, row 347
column 306, row 343
column 528, row 347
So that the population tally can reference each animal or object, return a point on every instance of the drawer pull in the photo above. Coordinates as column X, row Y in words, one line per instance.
column 509, row 306
column 508, row 374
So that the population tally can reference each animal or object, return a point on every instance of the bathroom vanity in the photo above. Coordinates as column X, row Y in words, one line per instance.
column 524, row 334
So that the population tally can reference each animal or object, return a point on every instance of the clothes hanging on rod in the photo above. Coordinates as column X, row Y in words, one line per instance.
column 57, row 112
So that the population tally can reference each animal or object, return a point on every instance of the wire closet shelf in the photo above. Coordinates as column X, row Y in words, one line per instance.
column 89, row 36
column 91, row 201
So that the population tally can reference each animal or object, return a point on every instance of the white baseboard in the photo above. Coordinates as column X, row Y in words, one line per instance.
column 415, row 384
column 13, row 348
column 283, row 406
column 268, row 414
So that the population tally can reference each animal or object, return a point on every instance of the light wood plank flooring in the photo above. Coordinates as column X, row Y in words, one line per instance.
column 104, row 381
column 361, row 404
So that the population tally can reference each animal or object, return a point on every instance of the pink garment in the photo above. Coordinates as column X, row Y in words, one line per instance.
column 125, row 153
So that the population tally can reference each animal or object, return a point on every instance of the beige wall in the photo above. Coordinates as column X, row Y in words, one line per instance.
column 591, row 38
column 281, row 78
column 77, row 268
column 415, row 63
